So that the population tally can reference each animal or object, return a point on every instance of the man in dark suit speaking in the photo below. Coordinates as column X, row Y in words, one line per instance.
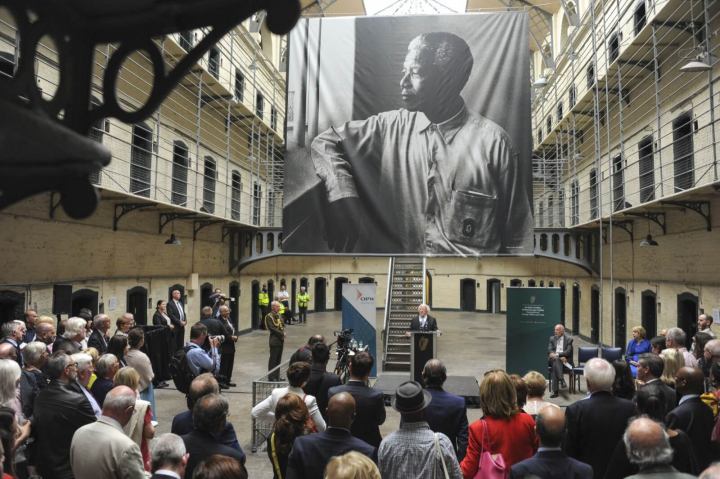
column 423, row 321
column 560, row 353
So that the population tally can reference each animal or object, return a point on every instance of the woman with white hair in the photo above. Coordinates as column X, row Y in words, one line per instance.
column 35, row 355
column 9, row 383
column 74, row 335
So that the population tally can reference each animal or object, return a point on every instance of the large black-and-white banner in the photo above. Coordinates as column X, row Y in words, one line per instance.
column 409, row 135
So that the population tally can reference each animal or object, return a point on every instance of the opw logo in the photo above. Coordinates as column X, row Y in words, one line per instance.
column 362, row 298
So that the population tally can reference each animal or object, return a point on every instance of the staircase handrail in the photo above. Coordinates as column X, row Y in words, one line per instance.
column 385, row 332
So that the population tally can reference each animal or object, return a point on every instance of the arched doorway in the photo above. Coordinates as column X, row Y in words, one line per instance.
column 304, row 283
column 320, row 284
column 136, row 304
column 12, row 306
column 562, row 304
column 595, row 315
column 84, row 298
column 338, row 292
column 234, row 305
column 293, row 294
column 576, row 308
column 516, row 282
column 254, row 307
column 531, row 283
column 271, row 290
column 620, row 318
column 494, row 295
column 467, row 294
column 649, row 313
column 206, row 290
column 177, row 287
column 687, row 313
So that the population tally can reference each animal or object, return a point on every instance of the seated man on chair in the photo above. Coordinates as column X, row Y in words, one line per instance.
column 560, row 353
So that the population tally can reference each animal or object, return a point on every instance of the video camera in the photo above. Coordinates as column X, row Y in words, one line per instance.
column 344, row 337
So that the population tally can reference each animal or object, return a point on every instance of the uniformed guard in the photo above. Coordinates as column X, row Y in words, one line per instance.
column 303, row 299
column 274, row 324
column 264, row 303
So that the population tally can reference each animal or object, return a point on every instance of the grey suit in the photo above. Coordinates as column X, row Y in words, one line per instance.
column 102, row 449
column 558, row 368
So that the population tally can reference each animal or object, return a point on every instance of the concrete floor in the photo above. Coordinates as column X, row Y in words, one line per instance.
column 471, row 344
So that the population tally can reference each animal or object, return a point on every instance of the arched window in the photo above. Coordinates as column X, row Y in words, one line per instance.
column 236, row 195
column 179, row 173
column 141, row 160
column 210, row 177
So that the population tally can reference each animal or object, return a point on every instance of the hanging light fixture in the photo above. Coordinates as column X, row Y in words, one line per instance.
column 649, row 241
column 540, row 83
column 696, row 66
column 173, row 240
column 253, row 65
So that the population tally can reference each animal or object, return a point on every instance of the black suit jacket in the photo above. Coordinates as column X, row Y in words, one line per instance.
column 159, row 319
column 228, row 347
column 18, row 352
column 29, row 390
column 669, row 393
column 430, row 325
column 595, row 425
column 319, row 384
column 174, row 314
column 310, row 454
column 567, row 348
column 216, row 327
column 183, row 424
column 97, row 341
column 161, row 476
column 59, row 412
column 551, row 465
column 369, row 410
column 695, row 418
column 201, row 445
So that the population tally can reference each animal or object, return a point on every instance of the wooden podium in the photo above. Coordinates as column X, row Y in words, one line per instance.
column 423, row 348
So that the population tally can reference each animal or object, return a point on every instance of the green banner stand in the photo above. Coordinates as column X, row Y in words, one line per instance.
column 532, row 314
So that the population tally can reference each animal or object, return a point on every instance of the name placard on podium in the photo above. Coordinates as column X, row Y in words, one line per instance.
column 423, row 348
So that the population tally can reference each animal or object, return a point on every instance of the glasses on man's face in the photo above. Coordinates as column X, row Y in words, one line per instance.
column 72, row 365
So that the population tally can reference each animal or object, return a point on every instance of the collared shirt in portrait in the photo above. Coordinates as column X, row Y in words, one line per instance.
column 559, row 344
column 450, row 188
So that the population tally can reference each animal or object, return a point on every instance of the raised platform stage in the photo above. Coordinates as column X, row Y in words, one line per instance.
column 464, row 386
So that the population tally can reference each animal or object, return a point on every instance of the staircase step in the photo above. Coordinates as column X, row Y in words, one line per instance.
column 396, row 366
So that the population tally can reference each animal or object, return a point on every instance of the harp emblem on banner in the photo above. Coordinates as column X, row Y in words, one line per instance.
column 424, row 343
column 532, row 299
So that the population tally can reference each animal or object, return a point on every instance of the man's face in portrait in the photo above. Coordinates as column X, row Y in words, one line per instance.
column 418, row 83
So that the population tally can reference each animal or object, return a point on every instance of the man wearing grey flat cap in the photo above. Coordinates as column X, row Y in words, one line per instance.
column 414, row 450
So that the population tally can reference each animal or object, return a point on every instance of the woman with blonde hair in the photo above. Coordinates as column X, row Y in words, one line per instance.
column 95, row 355
column 673, row 361
column 637, row 346
column 45, row 319
column 536, row 386
column 352, row 465
column 501, row 430
column 140, row 428
column 34, row 356
column 124, row 324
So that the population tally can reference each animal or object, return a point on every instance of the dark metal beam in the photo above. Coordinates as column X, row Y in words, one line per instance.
column 654, row 217
column 126, row 208
column 696, row 206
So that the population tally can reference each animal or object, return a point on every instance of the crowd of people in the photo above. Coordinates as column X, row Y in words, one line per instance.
column 78, row 402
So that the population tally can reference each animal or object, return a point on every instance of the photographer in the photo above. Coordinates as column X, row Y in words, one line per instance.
column 217, row 330
column 219, row 299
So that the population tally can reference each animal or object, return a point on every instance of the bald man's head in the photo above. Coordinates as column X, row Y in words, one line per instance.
column 119, row 404
column 45, row 332
column 712, row 472
column 689, row 380
column 647, row 444
column 551, row 426
column 7, row 351
column 341, row 411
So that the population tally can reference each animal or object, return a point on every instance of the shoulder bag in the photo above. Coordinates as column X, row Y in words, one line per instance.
column 490, row 467
column 438, row 451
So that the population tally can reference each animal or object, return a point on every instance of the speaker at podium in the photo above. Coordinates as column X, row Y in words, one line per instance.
column 423, row 348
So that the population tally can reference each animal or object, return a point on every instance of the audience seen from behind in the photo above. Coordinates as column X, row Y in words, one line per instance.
column 677, row 339
column 352, row 465
column 658, row 344
column 141, row 363
column 414, row 450
column 673, row 361
column 298, row 375
column 650, row 403
column 291, row 422
column 648, row 448
column 209, row 416
column 139, row 427
column 520, row 390
column 84, row 365
column 624, row 383
column 311, row 453
column 305, row 353
column 219, row 467
column 503, row 430
column 369, row 402
column 168, row 458
column 320, row 380
column 536, row 386
column 597, row 423
column 650, row 370
column 550, row 462
column 102, row 449
column 183, row 423
column 118, row 347
column 59, row 411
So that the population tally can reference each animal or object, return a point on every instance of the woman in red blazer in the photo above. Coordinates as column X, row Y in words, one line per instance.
column 510, row 431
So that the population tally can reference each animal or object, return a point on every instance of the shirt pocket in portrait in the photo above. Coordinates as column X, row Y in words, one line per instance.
column 469, row 218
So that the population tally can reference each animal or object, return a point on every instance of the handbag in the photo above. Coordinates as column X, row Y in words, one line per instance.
column 442, row 458
column 489, row 467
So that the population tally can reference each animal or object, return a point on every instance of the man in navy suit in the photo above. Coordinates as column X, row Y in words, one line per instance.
column 550, row 462
column 692, row 415
column 311, row 454
column 446, row 413
column 596, row 424
column 370, row 406
column 97, row 339
column 320, row 380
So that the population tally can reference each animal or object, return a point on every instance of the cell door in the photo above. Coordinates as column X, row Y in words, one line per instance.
column 84, row 298
column 137, row 299
column 293, row 294
column 467, row 295
column 562, row 304
column 620, row 318
column 320, row 284
column 254, row 307
column 649, row 313
column 687, row 307
column 206, row 290
column 493, row 295
column 595, row 315
column 338, row 292
column 235, row 305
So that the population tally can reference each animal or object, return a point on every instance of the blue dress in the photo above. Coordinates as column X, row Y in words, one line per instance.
column 634, row 350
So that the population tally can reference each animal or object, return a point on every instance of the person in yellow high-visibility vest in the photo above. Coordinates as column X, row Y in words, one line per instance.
column 303, row 299
column 264, row 303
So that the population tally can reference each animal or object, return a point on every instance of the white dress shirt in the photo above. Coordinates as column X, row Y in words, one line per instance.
column 265, row 410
